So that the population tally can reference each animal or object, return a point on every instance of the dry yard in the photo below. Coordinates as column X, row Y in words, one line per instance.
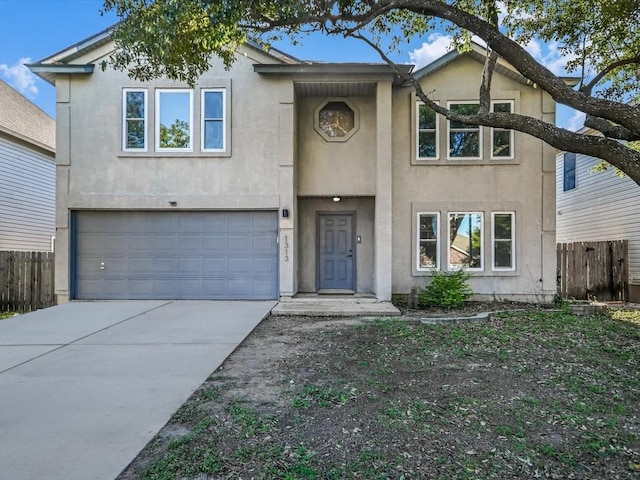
column 526, row 394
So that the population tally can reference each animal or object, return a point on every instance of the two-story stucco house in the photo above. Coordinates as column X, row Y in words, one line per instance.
column 280, row 176
column 27, row 174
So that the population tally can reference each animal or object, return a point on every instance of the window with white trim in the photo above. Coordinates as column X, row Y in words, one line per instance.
column 568, row 171
column 214, row 125
column 465, row 141
column 174, row 120
column 427, row 132
column 502, row 138
column 465, row 249
column 428, row 241
column 503, row 235
column 134, row 122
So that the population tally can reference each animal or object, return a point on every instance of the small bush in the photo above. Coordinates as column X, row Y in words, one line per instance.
column 446, row 290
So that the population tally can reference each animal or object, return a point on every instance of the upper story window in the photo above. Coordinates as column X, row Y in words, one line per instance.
column 135, row 120
column 465, row 141
column 213, row 120
column 502, row 138
column 465, row 241
column 569, row 171
column 336, row 120
column 427, row 123
column 174, row 120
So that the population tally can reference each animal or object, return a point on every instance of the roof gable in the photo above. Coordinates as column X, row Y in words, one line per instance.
column 21, row 119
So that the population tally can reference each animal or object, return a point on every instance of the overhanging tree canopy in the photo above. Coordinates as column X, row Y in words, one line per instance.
column 601, row 40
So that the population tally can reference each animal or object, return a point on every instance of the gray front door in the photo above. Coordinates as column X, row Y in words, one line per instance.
column 175, row 255
column 336, row 265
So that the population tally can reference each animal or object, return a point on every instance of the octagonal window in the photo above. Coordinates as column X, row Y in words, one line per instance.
column 336, row 120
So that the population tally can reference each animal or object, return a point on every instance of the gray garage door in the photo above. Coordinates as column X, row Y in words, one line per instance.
column 175, row 255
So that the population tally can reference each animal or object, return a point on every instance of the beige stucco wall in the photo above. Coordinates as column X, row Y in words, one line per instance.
column 336, row 168
column 523, row 185
column 94, row 173
column 308, row 209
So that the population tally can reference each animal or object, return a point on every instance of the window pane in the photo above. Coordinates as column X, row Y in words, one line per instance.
column 428, row 235
column 464, row 109
column 135, row 134
column 427, row 118
column 502, row 107
column 175, row 118
column 213, row 104
column 135, row 104
column 502, row 254
column 569, row 173
column 336, row 119
column 465, row 240
column 213, row 134
column 501, row 143
column 502, row 226
column 464, row 144
column 427, row 145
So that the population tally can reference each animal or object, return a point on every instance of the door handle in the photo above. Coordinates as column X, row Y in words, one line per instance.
column 349, row 255
column 103, row 266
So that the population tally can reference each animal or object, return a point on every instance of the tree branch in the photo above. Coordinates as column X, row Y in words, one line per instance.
column 611, row 67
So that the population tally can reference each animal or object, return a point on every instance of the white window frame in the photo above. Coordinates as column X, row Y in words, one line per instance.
column 469, row 128
column 203, row 120
column 158, row 112
column 145, row 119
column 513, row 242
column 420, row 268
column 451, row 267
column 419, row 103
column 510, row 130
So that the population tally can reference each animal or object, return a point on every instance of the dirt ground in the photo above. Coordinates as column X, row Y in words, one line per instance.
column 532, row 394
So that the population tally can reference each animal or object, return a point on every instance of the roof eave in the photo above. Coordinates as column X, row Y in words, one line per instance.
column 311, row 69
column 48, row 72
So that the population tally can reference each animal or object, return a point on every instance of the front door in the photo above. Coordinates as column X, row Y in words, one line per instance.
column 336, row 265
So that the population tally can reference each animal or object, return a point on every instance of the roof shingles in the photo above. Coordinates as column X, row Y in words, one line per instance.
column 22, row 119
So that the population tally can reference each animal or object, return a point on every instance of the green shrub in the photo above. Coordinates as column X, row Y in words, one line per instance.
column 446, row 290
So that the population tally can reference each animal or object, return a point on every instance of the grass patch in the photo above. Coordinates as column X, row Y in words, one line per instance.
column 4, row 315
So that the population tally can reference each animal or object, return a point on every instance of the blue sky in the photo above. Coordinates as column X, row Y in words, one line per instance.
column 34, row 29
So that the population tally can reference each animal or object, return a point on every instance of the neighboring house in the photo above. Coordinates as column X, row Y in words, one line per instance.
column 27, row 174
column 597, row 206
column 281, row 176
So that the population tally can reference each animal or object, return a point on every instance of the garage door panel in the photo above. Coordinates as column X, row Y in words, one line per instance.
column 239, row 223
column 166, row 255
column 191, row 266
column 239, row 242
column 190, row 242
column 264, row 266
column 215, row 243
column 140, row 242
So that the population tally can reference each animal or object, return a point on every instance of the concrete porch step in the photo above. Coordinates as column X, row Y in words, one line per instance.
column 334, row 307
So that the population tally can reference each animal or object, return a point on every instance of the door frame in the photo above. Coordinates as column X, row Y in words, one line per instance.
column 354, row 264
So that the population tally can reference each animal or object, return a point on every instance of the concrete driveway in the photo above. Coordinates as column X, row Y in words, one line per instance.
column 84, row 386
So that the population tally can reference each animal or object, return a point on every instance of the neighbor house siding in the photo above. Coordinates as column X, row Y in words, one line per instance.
column 27, row 198
column 602, row 206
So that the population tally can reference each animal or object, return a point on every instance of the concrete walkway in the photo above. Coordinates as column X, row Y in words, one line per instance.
column 84, row 386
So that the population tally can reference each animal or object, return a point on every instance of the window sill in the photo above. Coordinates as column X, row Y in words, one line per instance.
column 466, row 162
column 173, row 154
column 513, row 273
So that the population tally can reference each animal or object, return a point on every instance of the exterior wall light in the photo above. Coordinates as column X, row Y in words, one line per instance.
column 336, row 199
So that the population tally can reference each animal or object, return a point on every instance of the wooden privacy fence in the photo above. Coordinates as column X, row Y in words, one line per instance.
column 593, row 270
column 26, row 281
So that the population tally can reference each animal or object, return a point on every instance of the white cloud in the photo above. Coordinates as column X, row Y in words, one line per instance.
column 576, row 122
column 436, row 46
column 20, row 77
